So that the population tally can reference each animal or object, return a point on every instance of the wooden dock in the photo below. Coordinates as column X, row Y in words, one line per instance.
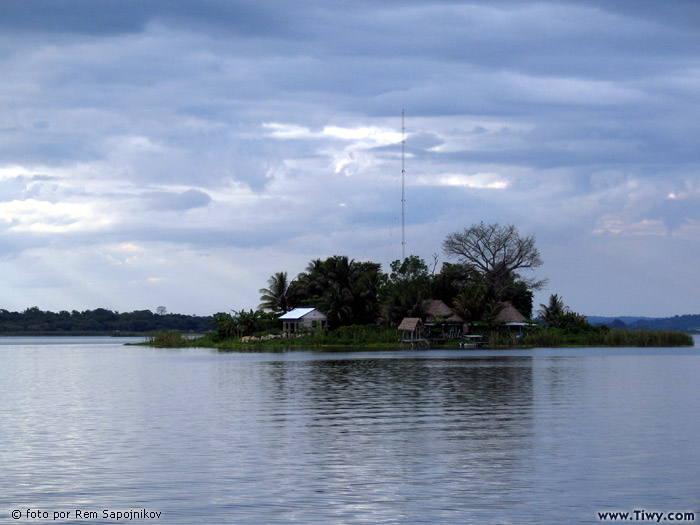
column 472, row 341
column 416, row 343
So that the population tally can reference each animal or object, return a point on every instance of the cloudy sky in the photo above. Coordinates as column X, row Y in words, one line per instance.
column 178, row 152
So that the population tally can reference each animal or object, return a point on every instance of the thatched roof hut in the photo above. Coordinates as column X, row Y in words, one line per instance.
column 410, row 324
column 439, row 311
column 410, row 331
column 508, row 314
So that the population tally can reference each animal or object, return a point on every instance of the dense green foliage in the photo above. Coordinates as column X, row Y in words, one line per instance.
column 347, row 291
column 562, row 327
column 354, row 336
column 374, row 337
column 242, row 323
column 34, row 320
column 351, row 292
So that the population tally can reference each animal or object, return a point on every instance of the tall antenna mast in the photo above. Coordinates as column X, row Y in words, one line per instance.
column 403, row 188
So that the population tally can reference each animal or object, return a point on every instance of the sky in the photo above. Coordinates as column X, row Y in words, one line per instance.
column 178, row 153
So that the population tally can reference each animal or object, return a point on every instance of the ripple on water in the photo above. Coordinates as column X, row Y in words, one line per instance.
column 399, row 437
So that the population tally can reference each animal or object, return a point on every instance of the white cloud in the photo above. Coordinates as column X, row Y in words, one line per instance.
column 287, row 131
column 490, row 181
column 367, row 136
column 45, row 217
column 169, row 143
column 617, row 226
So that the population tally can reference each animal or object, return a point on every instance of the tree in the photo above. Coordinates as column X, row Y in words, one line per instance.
column 407, row 302
column 367, row 290
column 336, row 302
column 406, row 289
column 556, row 314
column 276, row 297
column 346, row 290
column 496, row 252
column 552, row 312
column 519, row 295
column 472, row 303
column 246, row 323
column 452, row 280
column 225, row 325
column 410, row 269
column 312, row 282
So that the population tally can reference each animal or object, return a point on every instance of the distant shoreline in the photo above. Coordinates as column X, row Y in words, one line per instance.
column 76, row 334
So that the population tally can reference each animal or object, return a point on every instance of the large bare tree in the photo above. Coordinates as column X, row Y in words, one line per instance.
column 496, row 252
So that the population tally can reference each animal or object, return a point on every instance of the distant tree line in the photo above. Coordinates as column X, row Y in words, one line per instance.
column 685, row 323
column 34, row 320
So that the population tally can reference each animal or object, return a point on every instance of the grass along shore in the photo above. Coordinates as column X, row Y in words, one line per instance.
column 381, row 338
column 555, row 338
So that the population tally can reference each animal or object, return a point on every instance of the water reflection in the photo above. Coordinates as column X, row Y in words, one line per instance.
column 461, row 427
column 349, row 437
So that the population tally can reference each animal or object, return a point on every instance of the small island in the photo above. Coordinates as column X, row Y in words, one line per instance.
column 481, row 300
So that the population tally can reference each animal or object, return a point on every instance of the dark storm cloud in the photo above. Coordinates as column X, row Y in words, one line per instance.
column 267, row 125
column 109, row 17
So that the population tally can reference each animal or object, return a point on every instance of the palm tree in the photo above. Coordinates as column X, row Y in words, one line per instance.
column 276, row 297
column 313, row 281
column 552, row 313
column 472, row 303
column 366, row 292
column 247, row 322
column 343, row 272
column 400, row 303
column 337, row 305
column 225, row 325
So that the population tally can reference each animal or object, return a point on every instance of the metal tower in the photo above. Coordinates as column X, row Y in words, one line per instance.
column 403, row 188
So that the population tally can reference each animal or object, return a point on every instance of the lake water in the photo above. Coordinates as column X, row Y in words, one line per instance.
column 536, row 436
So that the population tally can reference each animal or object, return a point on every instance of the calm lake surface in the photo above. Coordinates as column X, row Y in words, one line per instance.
column 537, row 436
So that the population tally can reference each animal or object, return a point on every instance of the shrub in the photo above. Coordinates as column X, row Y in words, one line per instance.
column 169, row 339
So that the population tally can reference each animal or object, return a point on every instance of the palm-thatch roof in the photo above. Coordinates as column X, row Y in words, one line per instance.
column 439, row 311
column 409, row 324
column 508, row 314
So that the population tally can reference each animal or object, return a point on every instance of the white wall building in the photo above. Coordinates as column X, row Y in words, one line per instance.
column 303, row 319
